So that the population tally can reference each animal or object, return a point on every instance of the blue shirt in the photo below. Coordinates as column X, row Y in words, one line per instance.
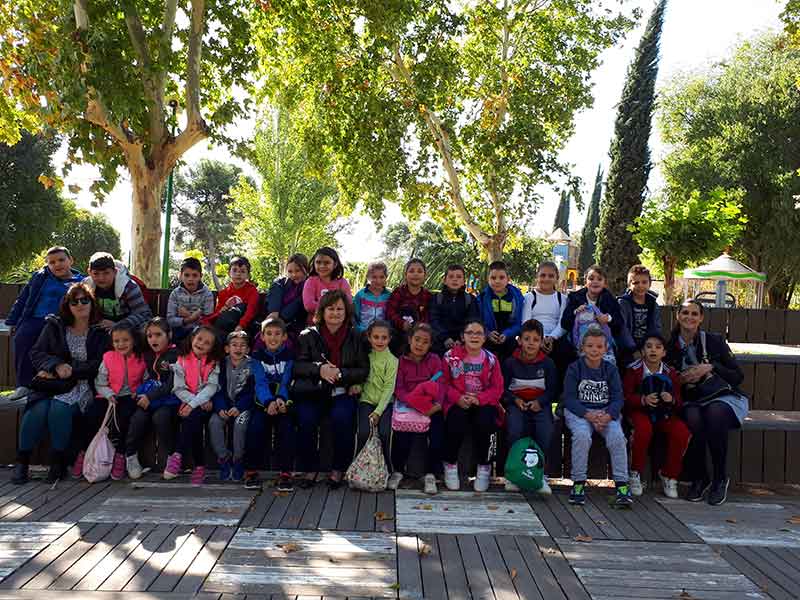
column 52, row 292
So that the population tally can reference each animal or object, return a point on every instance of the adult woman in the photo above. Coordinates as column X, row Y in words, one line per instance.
column 332, row 360
column 285, row 297
column 66, row 357
column 713, row 404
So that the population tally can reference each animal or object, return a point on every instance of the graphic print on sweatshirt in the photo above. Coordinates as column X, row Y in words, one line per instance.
column 593, row 393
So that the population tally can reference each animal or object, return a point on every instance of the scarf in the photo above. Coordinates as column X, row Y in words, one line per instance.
column 334, row 342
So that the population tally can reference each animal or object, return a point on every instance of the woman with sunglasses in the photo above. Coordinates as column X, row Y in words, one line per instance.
column 66, row 357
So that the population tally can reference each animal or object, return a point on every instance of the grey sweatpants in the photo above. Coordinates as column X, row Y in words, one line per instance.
column 216, row 430
column 581, row 431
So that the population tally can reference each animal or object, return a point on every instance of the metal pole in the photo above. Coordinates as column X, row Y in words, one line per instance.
column 168, row 209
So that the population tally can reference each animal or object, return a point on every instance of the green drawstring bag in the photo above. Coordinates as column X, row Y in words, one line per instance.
column 525, row 465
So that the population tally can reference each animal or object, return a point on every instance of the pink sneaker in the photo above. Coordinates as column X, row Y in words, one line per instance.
column 198, row 475
column 173, row 468
column 118, row 468
column 77, row 466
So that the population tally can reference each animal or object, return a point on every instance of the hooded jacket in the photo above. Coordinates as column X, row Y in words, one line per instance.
column 530, row 380
column 449, row 313
column 487, row 314
column 313, row 353
column 413, row 375
column 249, row 295
column 454, row 381
column 606, row 303
column 159, row 368
column 25, row 304
column 201, row 299
column 292, row 312
column 402, row 303
column 367, row 307
column 134, row 309
column 238, row 393
column 626, row 306
column 278, row 368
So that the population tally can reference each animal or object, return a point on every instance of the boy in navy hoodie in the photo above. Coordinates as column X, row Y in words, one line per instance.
column 531, row 387
column 271, row 409
column 232, row 405
column 451, row 309
column 501, row 311
column 641, row 315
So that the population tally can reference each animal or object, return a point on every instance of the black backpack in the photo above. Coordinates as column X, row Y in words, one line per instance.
column 533, row 293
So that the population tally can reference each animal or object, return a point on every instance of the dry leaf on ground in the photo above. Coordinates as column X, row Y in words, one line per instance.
column 583, row 538
column 794, row 520
column 424, row 550
column 731, row 520
column 492, row 507
column 279, row 493
column 382, row 516
column 513, row 573
column 289, row 547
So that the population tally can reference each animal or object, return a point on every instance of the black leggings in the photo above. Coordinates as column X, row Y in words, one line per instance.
column 709, row 426
column 479, row 419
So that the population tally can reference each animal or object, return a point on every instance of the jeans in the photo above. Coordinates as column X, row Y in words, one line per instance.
column 343, row 421
column 384, row 428
column 259, row 444
column 617, row 446
column 402, row 442
column 47, row 414
column 25, row 337
column 538, row 425
column 217, row 430
column 481, row 420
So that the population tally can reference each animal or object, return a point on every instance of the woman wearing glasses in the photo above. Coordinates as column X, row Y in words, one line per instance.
column 65, row 357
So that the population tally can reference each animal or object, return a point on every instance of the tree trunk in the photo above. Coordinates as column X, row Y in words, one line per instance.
column 669, row 280
column 780, row 293
column 211, row 260
column 146, row 224
column 494, row 247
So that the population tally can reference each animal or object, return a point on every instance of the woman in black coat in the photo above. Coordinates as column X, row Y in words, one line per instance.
column 66, row 357
column 332, row 358
column 712, row 401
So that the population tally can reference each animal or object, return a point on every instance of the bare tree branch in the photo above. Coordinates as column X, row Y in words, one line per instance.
column 167, row 29
column 81, row 9
column 97, row 113
column 193, row 62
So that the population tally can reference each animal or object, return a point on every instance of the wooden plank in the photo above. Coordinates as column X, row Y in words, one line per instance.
column 93, row 494
column 453, row 567
column 55, row 501
column 478, row 578
column 792, row 334
column 543, row 510
column 737, row 325
column 757, row 325
column 716, row 321
column 314, row 508
column 586, row 524
column 29, row 492
column 691, row 582
column 333, row 507
column 349, row 514
column 793, row 456
column 522, row 579
column 180, row 562
column 292, row 516
column 385, row 505
column 681, row 531
column 200, row 568
column 730, row 554
column 277, row 509
column 775, row 326
column 106, row 567
column 58, row 595
column 159, row 559
column 764, row 397
column 258, row 509
column 433, row 584
column 540, row 570
column 759, row 558
column 565, row 576
column 753, row 459
column 367, row 507
column 614, row 516
column 409, row 570
column 499, row 574
column 136, row 559
column 54, row 494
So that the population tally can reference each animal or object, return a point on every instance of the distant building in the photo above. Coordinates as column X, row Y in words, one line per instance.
column 565, row 255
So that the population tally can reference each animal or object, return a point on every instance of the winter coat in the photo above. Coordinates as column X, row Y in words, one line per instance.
column 249, row 295
column 413, row 376
column 487, row 314
column 454, row 381
column 626, row 305
column 313, row 353
column 719, row 356
column 25, row 304
column 402, row 303
column 449, row 314
column 242, row 394
column 367, row 307
column 135, row 310
column 201, row 299
column 159, row 368
column 278, row 370
column 530, row 380
column 606, row 303
column 292, row 313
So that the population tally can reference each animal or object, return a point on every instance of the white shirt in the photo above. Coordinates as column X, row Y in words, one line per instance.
column 547, row 312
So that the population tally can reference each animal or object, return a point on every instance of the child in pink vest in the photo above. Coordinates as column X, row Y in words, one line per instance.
column 120, row 373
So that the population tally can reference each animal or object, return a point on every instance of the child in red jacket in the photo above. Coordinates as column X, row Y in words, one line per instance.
column 652, row 402
column 237, row 304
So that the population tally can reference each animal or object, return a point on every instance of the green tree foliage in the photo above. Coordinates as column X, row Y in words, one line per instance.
column 102, row 73
column 630, row 158
column 85, row 232
column 736, row 127
column 31, row 205
column 204, row 209
column 589, row 235
column 292, row 211
column 681, row 232
column 562, row 213
column 454, row 110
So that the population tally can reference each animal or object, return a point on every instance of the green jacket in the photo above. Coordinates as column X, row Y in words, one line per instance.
column 379, row 386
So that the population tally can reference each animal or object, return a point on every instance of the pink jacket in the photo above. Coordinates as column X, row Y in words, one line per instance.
column 455, row 384
column 116, row 365
column 413, row 384
column 313, row 291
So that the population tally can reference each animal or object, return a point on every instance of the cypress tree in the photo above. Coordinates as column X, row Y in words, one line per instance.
column 630, row 158
column 589, row 234
column 562, row 214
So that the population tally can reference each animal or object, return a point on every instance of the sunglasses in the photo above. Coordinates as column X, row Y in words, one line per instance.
column 83, row 301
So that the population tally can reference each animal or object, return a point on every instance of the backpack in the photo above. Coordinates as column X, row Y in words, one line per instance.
column 99, row 457
column 533, row 293
column 468, row 298
column 368, row 471
column 525, row 465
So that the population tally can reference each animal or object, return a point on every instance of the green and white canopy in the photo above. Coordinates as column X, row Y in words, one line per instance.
column 725, row 268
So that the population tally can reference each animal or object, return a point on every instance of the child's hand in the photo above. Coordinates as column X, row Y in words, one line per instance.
column 449, row 343
column 354, row 390
column 521, row 404
column 143, row 402
column 651, row 400
column 666, row 397
column 272, row 408
column 280, row 404
column 604, row 418
column 64, row 371
column 106, row 324
column 581, row 308
column 374, row 418
column 547, row 345
column 45, row 375
column 233, row 412
column 433, row 410
column 183, row 312
column 185, row 410
column 494, row 337
column 603, row 319
column 272, row 315
column 207, row 406
column 465, row 401
column 534, row 406
column 223, row 414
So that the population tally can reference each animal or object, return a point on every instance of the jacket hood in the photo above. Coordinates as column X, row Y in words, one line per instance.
column 537, row 359
column 121, row 279
column 514, row 290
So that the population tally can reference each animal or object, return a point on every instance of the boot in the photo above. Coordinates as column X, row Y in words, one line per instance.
column 21, row 468
column 57, row 470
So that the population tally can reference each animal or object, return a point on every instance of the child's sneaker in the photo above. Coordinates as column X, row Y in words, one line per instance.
column 173, row 468
column 224, row 468
column 198, row 475
column 77, row 466
column 237, row 470
column 118, row 467
column 577, row 495
column 430, row 484
column 285, row 483
column 451, row 479
column 482, row 478
column 394, row 480
column 511, row 487
column 670, row 486
column 624, row 498
column 133, row 467
column 545, row 489
column 251, row 480
column 635, row 483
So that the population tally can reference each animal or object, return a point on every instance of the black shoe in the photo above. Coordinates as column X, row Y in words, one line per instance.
column 285, row 483
column 697, row 490
column 57, row 470
column 20, row 476
column 252, row 482
column 719, row 492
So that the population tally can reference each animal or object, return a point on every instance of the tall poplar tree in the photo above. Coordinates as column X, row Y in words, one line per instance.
column 630, row 158
column 589, row 234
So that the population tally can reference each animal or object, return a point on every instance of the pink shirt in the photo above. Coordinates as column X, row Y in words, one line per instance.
column 473, row 366
column 315, row 288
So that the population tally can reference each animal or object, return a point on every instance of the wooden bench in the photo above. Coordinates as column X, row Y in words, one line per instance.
column 772, row 420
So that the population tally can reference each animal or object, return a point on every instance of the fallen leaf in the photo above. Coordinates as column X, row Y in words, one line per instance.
column 333, row 560
column 794, row 520
column 582, row 538
column 424, row 550
column 382, row 516
column 731, row 520
column 422, row 507
column 684, row 595
column 445, row 508
column 761, row 492
column 289, row 547
column 279, row 493
column 513, row 573
column 785, row 530
column 601, row 522
column 492, row 507
column 209, row 509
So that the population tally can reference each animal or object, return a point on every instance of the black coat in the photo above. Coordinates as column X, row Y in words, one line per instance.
column 607, row 304
column 719, row 356
column 312, row 355
column 51, row 350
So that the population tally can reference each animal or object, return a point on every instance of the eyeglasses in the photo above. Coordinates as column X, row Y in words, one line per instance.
column 474, row 333
column 84, row 301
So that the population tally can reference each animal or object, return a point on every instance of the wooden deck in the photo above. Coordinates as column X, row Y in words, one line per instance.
column 153, row 539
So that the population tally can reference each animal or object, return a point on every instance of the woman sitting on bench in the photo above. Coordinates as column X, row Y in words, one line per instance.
column 713, row 403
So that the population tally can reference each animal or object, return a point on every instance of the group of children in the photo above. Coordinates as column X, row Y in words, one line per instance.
column 441, row 365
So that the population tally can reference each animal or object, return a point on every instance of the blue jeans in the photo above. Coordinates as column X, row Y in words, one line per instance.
column 47, row 414
column 343, row 421
column 24, row 338
column 258, row 444
column 538, row 425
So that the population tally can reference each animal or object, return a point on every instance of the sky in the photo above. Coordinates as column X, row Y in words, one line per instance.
column 696, row 33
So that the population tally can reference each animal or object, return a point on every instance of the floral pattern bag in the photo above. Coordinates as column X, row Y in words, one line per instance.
column 368, row 471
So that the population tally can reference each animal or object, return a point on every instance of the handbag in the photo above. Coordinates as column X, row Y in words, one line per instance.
column 406, row 418
column 99, row 456
column 368, row 471
column 712, row 386
column 53, row 386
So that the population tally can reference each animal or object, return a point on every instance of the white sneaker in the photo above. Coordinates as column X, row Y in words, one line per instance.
column 134, row 468
column 670, row 486
column 394, row 480
column 18, row 394
column 635, row 483
column 511, row 487
column 430, row 484
column 545, row 489
column 482, row 478
column 451, row 479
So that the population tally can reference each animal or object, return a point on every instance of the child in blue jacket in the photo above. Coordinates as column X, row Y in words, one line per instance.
column 271, row 407
column 232, row 405
column 501, row 311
